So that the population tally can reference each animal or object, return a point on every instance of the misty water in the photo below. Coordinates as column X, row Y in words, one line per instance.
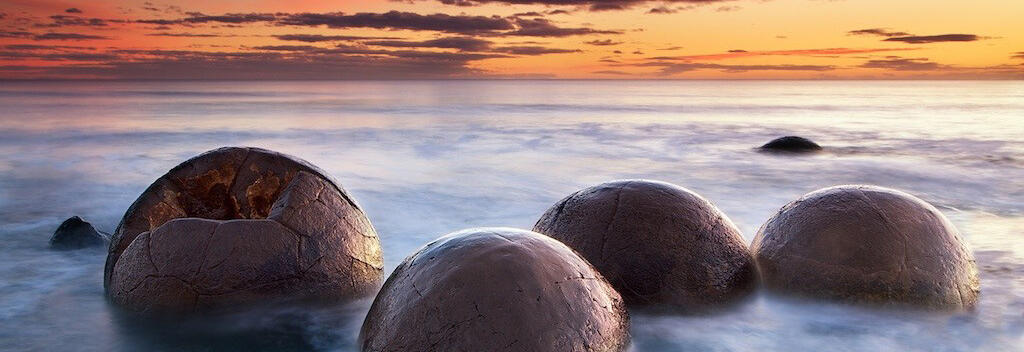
column 425, row 158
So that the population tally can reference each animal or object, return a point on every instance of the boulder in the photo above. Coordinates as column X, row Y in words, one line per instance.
column 241, row 226
column 657, row 243
column 495, row 289
column 866, row 244
column 791, row 144
column 75, row 233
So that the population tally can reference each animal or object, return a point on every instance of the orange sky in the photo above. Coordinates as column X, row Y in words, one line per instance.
column 422, row 39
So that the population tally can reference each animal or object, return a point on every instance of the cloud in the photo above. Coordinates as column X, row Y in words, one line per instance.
column 661, row 10
column 611, row 72
column 592, row 5
column 540, row 27
column 66, row 20
column 44, row 47
column 878, row 31
column 401, row 20
column 61, row 56
column 15, row 34
column 1018, row 55
column 935, row 38
column 460, row 43
column 533, row 50
column 902, row 64
column 315, row 38
column 187, row 35
column 67, row 36
column 198, row 17
column 732, row 54
column 675, row 68
column 73, row 10
column 605, row 42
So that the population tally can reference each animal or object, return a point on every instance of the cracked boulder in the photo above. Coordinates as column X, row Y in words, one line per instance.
column 866, row 244
column 241, row 226
column 659, row 244
column 495, row 289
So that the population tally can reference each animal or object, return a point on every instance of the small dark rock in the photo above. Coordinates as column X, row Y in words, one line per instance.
column 75, row 233
column 791, row 144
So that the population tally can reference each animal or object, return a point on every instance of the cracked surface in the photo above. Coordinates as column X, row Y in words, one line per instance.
column 495, row 289
column 237, row 226
column 867, row 244
column 657, row 243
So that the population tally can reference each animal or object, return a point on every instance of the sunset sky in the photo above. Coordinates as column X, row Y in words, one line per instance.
column 428, row 39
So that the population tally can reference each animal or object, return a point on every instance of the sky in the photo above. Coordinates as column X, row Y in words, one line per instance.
column 510, row 39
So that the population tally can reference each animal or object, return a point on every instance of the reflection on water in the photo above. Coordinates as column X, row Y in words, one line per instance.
column 427, row 158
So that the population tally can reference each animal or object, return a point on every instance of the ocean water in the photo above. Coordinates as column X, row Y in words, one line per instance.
column 426, row 158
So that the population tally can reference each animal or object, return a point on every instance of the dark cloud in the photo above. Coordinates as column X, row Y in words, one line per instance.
column 197, row 17
column 738, row 51
column 316, row 38
column 540, row 27
column 73, row 10
column 15, row 34
column 662, row 10
column 672, row 48
column 935, row 38
column 533, row 50
column 604, row 42
column 460, row 43
column 902, row 64
column 878, row 31
column 401, row 20
column 187, row 35
column 1018, row 55
column 732, row 54
column 67, row 20
column 44, row 47
column 528, row 14
column 674, row 68
column 67, row 36
column 592, row 5
column 392, row 20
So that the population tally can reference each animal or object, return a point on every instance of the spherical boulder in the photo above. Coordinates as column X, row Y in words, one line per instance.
column 657, row 243
column 75, row 233
column 866, row 244
column 495, row 289
column 240, row 226
column 791, row 144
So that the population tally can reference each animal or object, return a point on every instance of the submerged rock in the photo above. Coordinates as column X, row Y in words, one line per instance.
column 791, row 144
column 495, row 289
column 866, row 244
column 241, row 226
column 75, row 233
column 657, row 243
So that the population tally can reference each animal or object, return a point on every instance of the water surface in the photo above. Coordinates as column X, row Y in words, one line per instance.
column 425, row 158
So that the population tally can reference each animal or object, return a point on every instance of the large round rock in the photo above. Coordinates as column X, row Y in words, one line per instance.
column 495, row 289
column 657, row 243
column 239, row 226
column 866, row 244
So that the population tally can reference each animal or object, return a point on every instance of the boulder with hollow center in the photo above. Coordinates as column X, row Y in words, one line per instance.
column 241, row 226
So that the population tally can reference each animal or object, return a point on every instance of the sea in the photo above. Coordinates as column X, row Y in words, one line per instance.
column 426, row 158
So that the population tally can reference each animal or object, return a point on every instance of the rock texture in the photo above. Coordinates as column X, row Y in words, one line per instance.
column 75, row 233
column 495, row 289
column 866, row 244
column 791, row 144
column 238, row 226
column 657, row 243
